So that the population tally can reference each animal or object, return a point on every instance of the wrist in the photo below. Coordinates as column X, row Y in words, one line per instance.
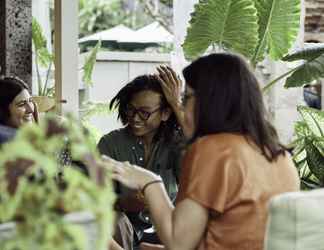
column 149, row 178
column 150, row 183
column 177, row 105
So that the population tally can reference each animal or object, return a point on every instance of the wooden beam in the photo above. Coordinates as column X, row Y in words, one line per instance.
column 66, row 55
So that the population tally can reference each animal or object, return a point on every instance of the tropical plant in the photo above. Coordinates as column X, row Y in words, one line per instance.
column 253, row 28
column 310, row 68
column 45, row 59
column 36, row 196
column 95, row 15
column 309, row 147
column 94, row 109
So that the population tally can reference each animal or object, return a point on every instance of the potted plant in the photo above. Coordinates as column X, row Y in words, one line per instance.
column 45, row 97
column 44, row 204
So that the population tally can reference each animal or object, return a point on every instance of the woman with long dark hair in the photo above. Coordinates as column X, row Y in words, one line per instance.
column 233, row 165
column 16, row 106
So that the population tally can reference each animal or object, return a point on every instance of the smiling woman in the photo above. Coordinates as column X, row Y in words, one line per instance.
column 16, row 104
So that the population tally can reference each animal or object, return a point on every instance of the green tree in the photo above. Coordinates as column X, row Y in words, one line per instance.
column 95, row 15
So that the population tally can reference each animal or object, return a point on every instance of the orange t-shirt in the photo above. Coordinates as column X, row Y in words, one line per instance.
column 230, row 177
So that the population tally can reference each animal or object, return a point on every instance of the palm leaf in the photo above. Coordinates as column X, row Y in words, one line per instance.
column 231, row 24
column 89, row 64
column 279, row 22
column 314, row 119
column 311, row 69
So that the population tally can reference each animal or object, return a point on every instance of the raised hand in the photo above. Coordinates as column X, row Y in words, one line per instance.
column 172, row 88
column 171, row 85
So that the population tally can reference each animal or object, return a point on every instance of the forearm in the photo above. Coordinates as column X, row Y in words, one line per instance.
column 161, row 210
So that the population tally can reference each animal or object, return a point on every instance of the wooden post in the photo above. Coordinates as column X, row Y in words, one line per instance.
column 66, row 55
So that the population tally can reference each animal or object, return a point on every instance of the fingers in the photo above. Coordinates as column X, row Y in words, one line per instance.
column 167, row 74
column 167, row 90
column 174, row 75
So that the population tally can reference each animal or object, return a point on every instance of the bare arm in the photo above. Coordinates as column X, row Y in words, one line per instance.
column 188, row 220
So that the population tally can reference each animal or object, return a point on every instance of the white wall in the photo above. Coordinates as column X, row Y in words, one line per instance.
column 112, row 71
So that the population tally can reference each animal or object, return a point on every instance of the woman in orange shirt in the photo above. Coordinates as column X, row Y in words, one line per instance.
column 233, row 166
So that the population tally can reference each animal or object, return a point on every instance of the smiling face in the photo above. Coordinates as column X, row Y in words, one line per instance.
column 21, row 110
column 145, row 113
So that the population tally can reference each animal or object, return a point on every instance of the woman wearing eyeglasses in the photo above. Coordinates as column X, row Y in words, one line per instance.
column 16, row 105
column 150, row 139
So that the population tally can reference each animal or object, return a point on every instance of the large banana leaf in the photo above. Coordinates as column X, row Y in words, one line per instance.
column 231, row 24
column 279, row 22
column 314, row 119
column 311, row 69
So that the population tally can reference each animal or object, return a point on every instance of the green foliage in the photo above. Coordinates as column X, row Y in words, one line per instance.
column 250, row 27
column 312, row 67
column 93, row 109
column 89, row 64
column 168, row 3
column 33, row 194
column 309, row 147
column 40, row 44
column 96, row 108
column 279, row 22
column 44, row 59
column 230, row 24
column 95, row 15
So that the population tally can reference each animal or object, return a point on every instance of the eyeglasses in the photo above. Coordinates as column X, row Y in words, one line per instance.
column 143, row 114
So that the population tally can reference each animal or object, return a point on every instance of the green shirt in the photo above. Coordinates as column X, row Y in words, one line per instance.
column 164, row 159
